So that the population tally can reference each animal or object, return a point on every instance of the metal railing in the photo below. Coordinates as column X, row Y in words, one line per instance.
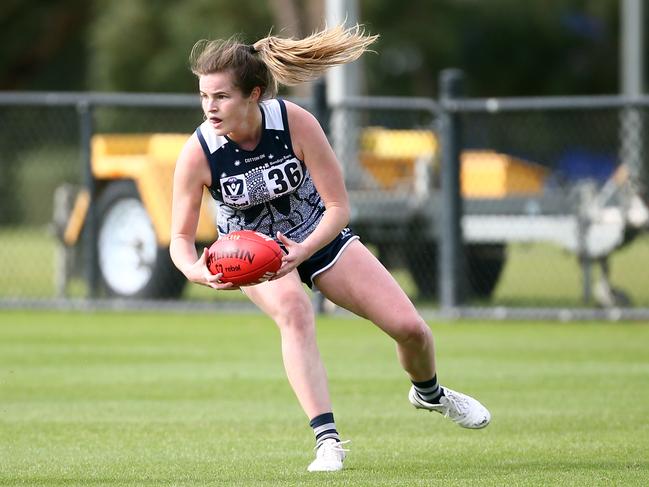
column 449, row 248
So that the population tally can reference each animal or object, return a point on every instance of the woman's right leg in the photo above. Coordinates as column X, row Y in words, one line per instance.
column 286, row 302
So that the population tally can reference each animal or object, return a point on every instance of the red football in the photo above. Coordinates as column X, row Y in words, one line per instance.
column 244, row 257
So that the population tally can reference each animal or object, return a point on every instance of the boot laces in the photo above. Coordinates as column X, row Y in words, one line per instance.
column 330, row 450
column 458, row 405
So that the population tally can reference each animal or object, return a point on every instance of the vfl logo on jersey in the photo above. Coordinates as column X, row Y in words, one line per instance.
column 234, row 191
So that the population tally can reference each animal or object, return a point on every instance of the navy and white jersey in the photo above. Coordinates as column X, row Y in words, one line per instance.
column 267, row 189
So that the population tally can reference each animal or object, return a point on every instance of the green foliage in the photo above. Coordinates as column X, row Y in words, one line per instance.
column 143, row 45
column 506, row 47
column 39, row 150
column 151, row 399
column 43, row 44
column 41, row 171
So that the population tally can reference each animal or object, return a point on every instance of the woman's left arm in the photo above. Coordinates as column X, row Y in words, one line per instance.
column 310, row 144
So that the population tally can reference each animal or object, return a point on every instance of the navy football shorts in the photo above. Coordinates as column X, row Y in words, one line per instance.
column 326, row 257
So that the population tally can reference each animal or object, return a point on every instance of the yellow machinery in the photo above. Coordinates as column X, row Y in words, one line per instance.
column 149, row 161
column 391, row 156
column 406, row 163
column 134, row 175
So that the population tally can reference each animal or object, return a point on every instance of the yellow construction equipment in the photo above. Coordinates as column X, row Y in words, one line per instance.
column 134, row 175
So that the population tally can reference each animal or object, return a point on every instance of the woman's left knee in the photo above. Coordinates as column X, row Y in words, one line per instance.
column 414, row 331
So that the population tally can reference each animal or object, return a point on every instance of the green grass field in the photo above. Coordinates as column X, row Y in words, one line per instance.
column 143, row 399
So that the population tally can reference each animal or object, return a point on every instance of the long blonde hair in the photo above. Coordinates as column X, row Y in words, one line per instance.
column 274, row 61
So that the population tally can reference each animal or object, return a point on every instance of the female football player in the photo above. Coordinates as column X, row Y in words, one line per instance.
column 270, row 168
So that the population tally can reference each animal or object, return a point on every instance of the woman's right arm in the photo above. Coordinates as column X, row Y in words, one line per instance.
column 192, row 173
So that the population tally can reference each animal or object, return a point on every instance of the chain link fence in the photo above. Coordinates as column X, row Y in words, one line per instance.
column 571, row 211
column 550, row 193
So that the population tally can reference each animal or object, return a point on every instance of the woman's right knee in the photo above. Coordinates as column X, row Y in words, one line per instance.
column 293, row 312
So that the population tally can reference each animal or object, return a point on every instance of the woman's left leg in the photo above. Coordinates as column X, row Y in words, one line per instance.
column 359, row 283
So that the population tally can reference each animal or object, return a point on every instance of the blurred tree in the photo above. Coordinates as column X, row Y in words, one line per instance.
column 42, row 50
column 143, row 45
column 298, row 18
column 43, row 44
column 505, row 47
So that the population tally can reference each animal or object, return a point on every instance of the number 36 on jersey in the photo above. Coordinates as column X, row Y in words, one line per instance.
column 262, row 184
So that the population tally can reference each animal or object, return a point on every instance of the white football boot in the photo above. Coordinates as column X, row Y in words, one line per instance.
column 329, row 456
column 460, row 408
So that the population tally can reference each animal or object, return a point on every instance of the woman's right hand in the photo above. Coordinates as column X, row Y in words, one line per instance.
column 200, row 274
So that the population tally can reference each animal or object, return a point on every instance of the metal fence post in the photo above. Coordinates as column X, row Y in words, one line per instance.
column 320, row 107
column 321, row 113
column 632, row 69
column 450, row 244
column 84, row 108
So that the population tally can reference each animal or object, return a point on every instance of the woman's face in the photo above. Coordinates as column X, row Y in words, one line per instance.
column 224, row 105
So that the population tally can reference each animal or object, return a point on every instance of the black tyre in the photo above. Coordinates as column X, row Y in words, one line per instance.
column 482, row 268
column 421, row 259
column 130, row 262
column 484, row 265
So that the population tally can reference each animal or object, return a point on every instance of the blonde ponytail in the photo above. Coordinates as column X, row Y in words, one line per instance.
column 274, row 61
column 294, row 61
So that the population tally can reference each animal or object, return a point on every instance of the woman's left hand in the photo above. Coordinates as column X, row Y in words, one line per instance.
column 295, row 256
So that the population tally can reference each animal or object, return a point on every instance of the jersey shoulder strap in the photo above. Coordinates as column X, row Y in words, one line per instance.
column 276, row 119
column 210, row 142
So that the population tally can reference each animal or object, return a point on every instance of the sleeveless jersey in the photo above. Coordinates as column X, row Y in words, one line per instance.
column 267, row 189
